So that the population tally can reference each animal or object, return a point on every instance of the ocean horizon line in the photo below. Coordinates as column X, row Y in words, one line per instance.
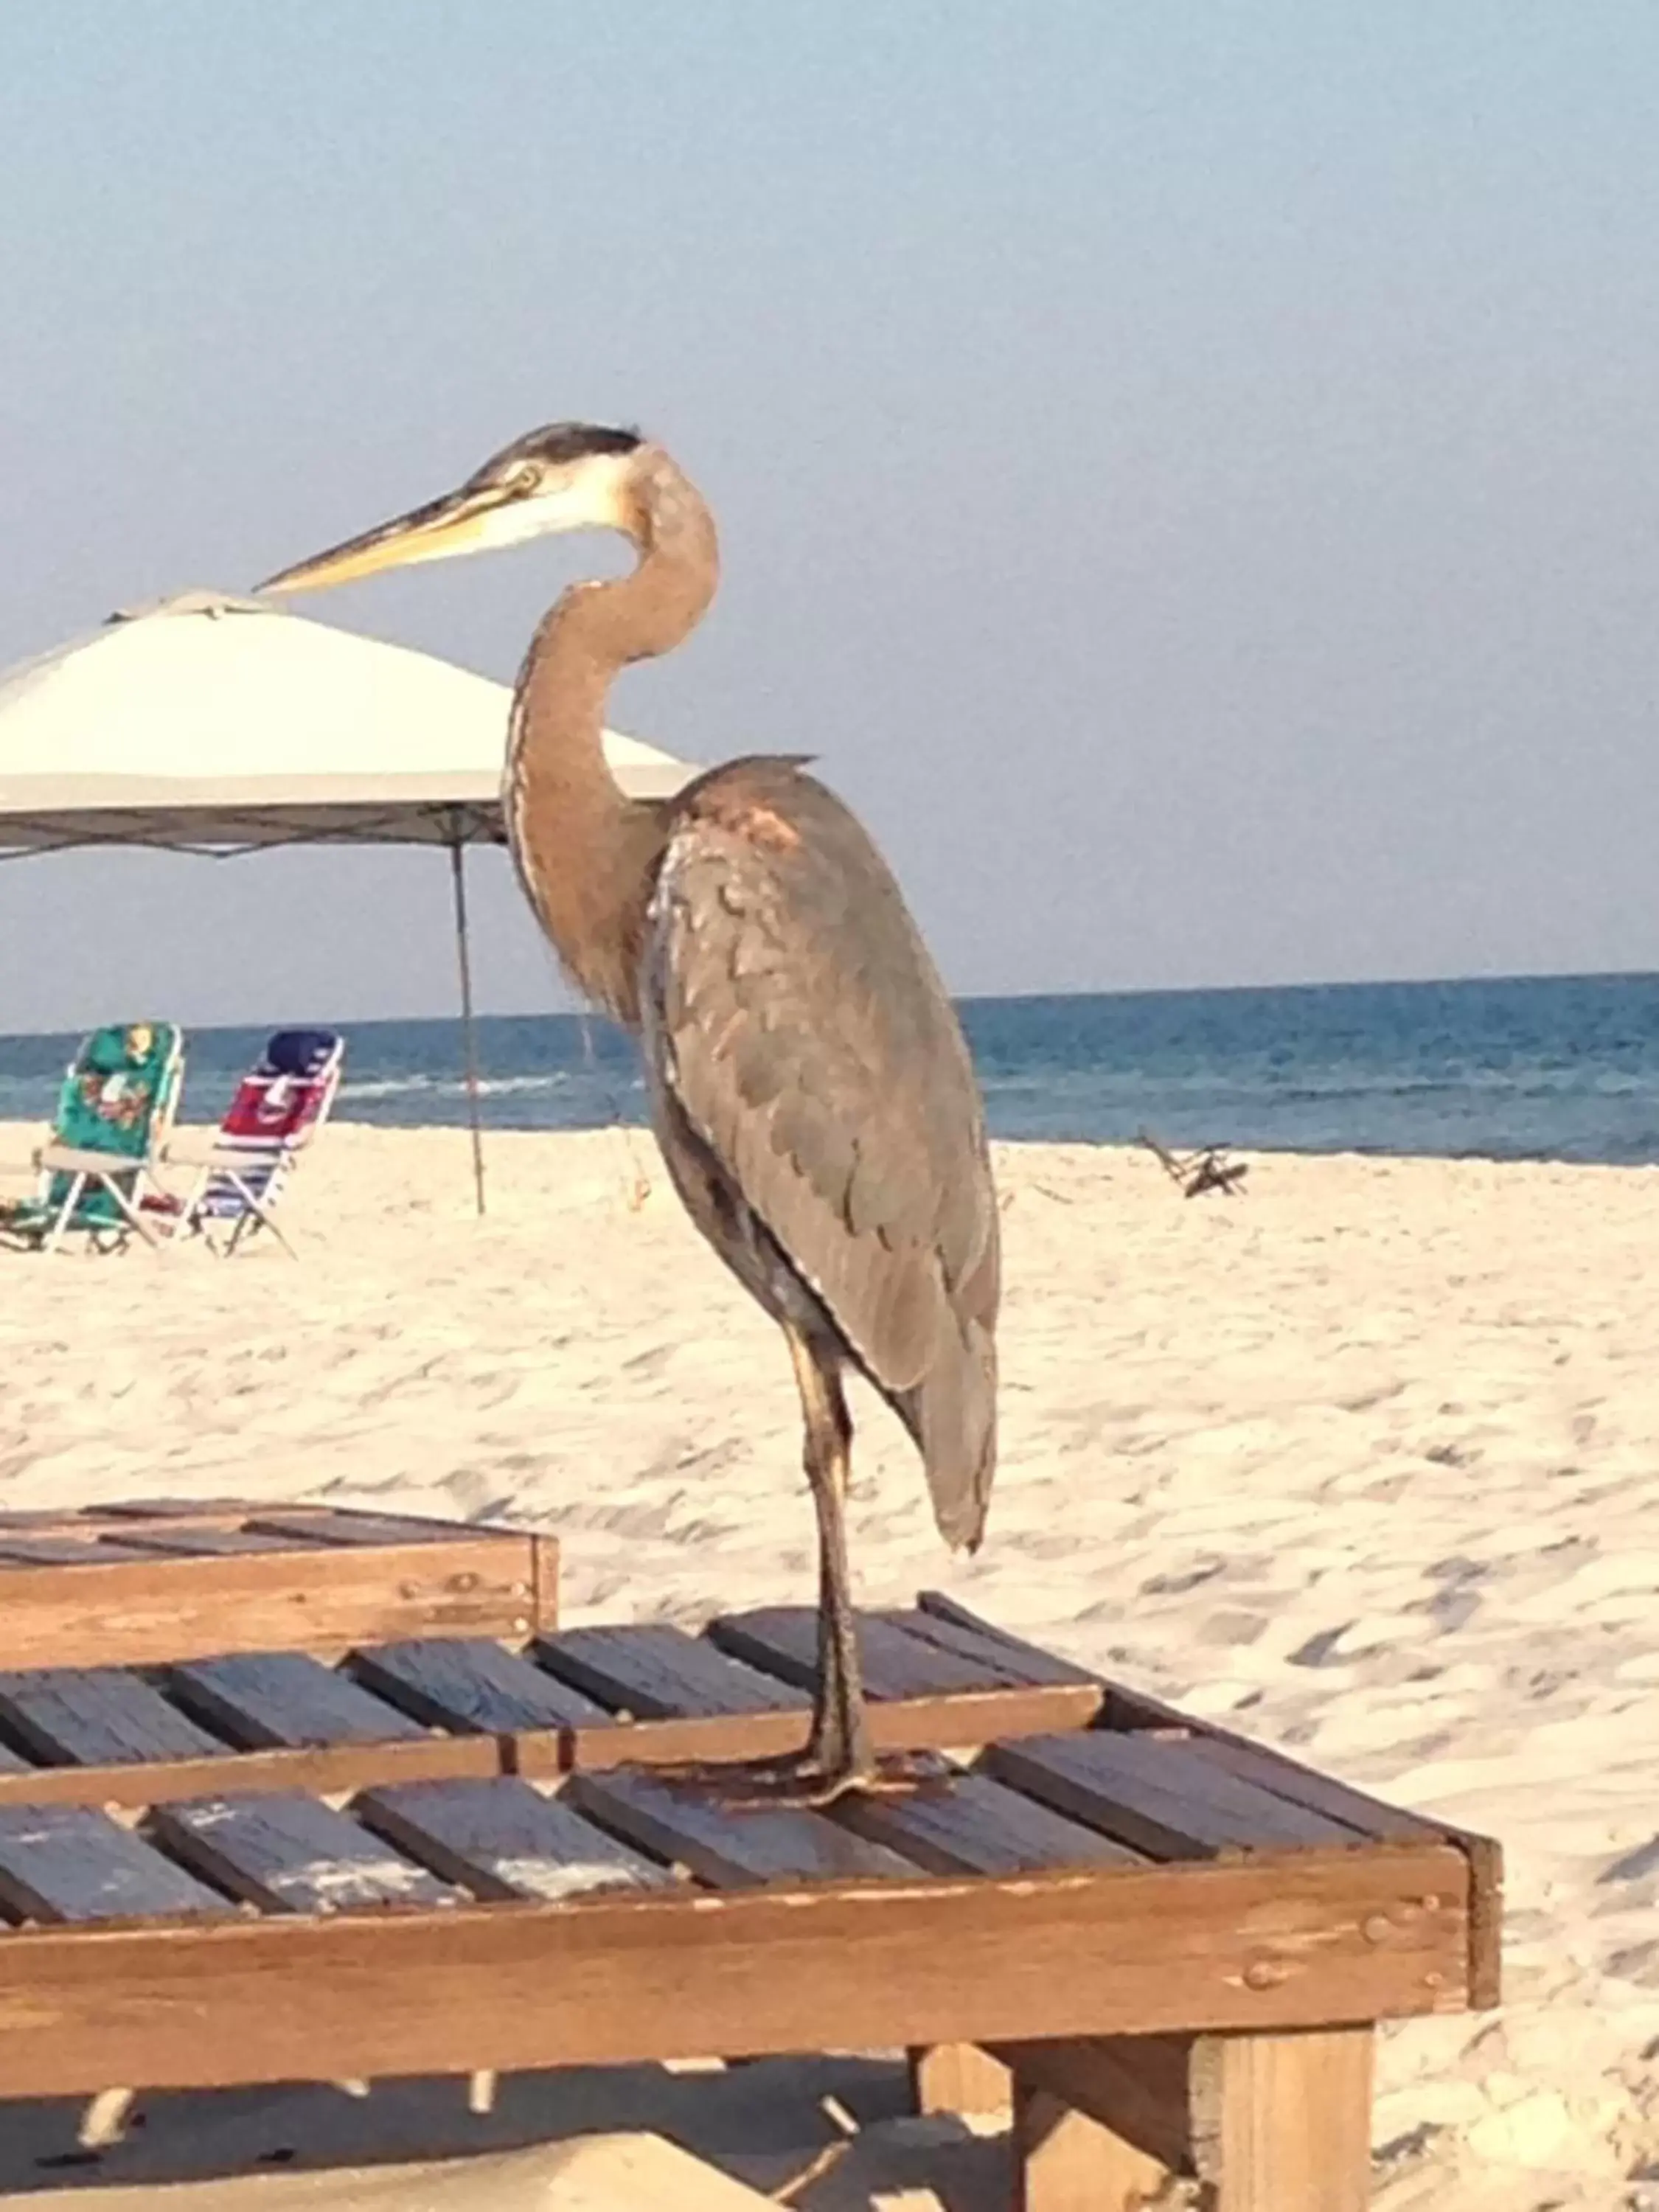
column 1480, row 978
column 1553, row 1067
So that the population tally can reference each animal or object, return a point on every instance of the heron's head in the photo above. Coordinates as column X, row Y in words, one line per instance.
column 570, row 476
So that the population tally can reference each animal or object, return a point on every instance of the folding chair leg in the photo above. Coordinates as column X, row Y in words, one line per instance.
column 65, row 1213
column 262, row 1215
column 256, row 1214
column 130, row 1211
column 259, row 1212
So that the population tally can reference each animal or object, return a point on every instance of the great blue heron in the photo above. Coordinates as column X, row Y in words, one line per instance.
column 810, row 1086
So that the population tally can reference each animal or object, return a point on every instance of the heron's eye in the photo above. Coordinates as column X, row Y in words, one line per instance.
column 527, row 478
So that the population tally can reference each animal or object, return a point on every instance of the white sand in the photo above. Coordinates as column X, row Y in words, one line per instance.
column 1368, row 1459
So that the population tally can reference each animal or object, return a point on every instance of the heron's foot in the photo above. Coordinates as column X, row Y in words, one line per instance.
column 798, row 1785
column 896, row 1774
column 808, row 1783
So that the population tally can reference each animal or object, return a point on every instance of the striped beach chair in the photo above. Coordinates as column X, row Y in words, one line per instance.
column 96, row 1169
column 277, row 1110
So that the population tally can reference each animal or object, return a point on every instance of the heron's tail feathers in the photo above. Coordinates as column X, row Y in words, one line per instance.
column 952, row 1414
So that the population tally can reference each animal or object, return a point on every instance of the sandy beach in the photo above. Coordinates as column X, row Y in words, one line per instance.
column 1366, row 1461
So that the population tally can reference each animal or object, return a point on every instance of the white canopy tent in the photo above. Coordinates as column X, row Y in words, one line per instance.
column 220, row 726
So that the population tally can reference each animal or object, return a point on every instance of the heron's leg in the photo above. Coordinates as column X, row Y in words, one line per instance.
column 840, row 1748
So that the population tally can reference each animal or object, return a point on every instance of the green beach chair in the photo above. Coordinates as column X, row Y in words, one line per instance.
column 114, row 1112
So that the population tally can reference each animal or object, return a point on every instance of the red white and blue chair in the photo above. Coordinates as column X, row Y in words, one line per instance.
column 275, row 1114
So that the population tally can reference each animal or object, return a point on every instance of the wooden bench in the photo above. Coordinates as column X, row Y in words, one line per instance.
column 471, row 1855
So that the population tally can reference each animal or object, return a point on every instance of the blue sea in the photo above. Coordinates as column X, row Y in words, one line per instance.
column 1557, row 1068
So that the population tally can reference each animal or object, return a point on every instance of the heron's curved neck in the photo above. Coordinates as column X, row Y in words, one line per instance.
column 587, row 856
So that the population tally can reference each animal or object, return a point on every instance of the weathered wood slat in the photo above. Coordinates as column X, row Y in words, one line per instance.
column 268, row 1698
column 324, row 1769
column 348, row 1524
column 293, row 1855
column 1318, row 1793
column 503, row 1839
column 178, row 1540
column 972, row 1825
column 167, row 1508
column 98, row 1716
column 1129, row 1711
column 726, row 1846
column 1157, row 1796
column 540, row 1755
column 471, row 1683
column 61, row 1551
column 317, row 1527
column 1008, row 1658
column 658, row 1673
column 783, row 1639
column 70, row 1863
column 1034, row 1664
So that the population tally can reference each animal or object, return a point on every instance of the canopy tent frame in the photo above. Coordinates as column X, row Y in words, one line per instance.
column 46, row 838
column 468, row 826
column 183, row 674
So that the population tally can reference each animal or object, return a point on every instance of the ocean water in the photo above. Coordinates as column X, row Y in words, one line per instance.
column 1558, row 1067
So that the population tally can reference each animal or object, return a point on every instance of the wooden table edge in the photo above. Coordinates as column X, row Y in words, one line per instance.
column 1226, row 1946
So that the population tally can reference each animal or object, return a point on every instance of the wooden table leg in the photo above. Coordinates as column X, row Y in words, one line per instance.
column 1269, row 2123
column 1283, row 2123
column 1064, row 2162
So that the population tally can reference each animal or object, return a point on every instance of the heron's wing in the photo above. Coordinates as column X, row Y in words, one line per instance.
column 799, row 1023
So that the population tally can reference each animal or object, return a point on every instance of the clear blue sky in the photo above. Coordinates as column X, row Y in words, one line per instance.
column 1189, row 472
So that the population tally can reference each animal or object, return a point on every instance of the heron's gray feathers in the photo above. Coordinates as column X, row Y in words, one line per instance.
column 795, row 1017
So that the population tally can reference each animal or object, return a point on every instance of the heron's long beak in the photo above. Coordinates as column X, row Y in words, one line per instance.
column 454, row 524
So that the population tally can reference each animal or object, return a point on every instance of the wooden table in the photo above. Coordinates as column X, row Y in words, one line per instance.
column 162, row 1578
column 451, row 1854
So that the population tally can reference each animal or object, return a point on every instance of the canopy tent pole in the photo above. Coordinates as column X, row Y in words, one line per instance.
column 463, row 958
